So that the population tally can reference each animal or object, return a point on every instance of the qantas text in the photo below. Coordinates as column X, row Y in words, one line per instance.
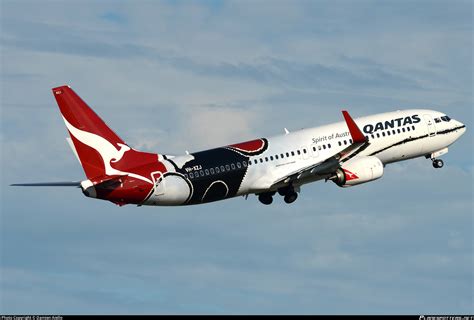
column 390, row 124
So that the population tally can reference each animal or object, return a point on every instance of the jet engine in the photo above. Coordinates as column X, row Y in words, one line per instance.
column 358, row 170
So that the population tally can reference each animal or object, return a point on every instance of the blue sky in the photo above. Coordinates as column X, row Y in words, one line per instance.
column 187, row 75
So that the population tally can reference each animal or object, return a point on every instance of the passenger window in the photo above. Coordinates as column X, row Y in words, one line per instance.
column 350, row 140
column 340, row 144
column 222, row 169
column 345, row 142
column 383, row 134
column 319, row 148
column 186, row 175
column 292, row 153
column 393, row 132
column 287, row 154
column 378, row 135
column 304, row 150
column 324, row 146
column 201, row 173
column 207, row 172
column 276, row 156
column 282, row 155
column 329, row 145
column 232, row 166
column 373, row 137
column 255, row 161
column 298, row 152
column 212, row 170
column 266, row 159
column 398, row 130
column 191, row 175
column 239, row 166
column 227, row 167
column 271, row 158
column 217, row 170
column 403, row 129
column 413, row 128
column 244, row 163
column 261, row 160
column 388, row 133
column 408, row 128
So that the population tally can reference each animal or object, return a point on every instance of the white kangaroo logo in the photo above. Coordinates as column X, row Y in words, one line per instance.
column 107, row 150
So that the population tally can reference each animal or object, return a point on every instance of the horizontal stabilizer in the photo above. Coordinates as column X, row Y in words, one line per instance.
column 49, row 184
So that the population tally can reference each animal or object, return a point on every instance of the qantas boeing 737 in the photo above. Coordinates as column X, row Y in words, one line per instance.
column 348, row 153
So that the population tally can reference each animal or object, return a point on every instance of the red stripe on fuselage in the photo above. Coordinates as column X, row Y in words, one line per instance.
column 249, row 146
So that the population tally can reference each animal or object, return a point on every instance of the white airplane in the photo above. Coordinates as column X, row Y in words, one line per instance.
column 340, row 152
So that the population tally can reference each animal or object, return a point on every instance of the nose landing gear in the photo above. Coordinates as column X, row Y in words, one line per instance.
column 438, row 163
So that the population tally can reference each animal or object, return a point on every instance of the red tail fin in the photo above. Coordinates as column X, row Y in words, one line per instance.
column 99, row 149
column 81, row 116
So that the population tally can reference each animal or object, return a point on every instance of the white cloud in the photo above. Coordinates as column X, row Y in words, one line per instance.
column 211, row 126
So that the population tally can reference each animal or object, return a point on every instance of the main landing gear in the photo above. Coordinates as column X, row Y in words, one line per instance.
column 290, row 197
column 266, row 198
column 288, row 193
column 437, row 163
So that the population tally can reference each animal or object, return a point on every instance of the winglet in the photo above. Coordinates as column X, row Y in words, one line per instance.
column 357, row 135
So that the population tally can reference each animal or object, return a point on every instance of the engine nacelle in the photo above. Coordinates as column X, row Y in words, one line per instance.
column 358, row 170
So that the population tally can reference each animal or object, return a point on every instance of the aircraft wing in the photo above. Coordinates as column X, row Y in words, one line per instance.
column 327, row 166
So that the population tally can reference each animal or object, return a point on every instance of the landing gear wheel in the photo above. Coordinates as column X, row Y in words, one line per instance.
column 283, row 191
column 265, row 199
column 438, row 163
column 290, row 197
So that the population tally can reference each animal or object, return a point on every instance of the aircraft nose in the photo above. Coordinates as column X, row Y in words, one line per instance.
column 461, row 126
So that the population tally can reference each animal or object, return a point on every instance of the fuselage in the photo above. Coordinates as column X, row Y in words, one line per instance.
column 252, row 167
column 349, row 153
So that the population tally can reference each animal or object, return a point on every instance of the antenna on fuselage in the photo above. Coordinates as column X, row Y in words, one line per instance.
column 286, row 131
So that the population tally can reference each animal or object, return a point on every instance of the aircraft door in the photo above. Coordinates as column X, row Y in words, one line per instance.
column 430, row 124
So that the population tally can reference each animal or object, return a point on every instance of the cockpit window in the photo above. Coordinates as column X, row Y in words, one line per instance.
column 446, row 118
column 437, row 120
